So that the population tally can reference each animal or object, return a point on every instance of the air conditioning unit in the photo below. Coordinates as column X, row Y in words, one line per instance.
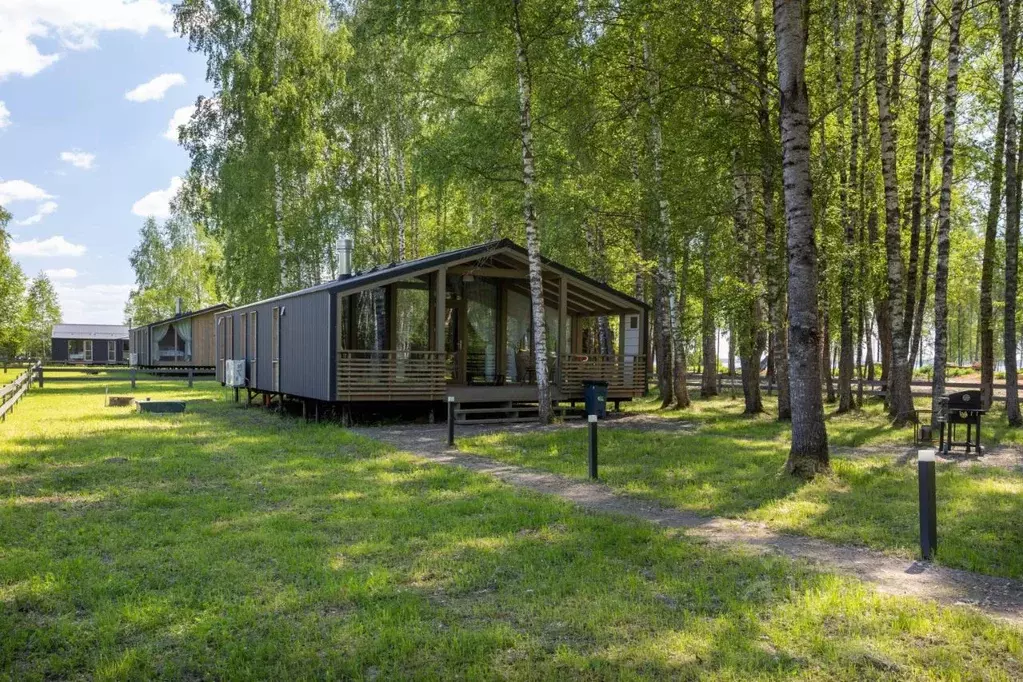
column 234, row 373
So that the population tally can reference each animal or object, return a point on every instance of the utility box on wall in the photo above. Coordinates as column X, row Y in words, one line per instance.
column 234, row 373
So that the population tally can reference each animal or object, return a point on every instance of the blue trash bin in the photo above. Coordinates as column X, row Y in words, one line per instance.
column 595, row 393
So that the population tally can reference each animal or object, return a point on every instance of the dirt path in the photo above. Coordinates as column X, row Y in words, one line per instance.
column 999, row 597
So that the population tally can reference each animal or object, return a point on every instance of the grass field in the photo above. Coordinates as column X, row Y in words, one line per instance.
column 227, row 543
column 731, row 465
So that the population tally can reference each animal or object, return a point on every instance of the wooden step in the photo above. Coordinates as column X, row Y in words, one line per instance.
column 499, row 420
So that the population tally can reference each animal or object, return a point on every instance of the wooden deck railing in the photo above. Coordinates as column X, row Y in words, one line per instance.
column 624, row 375
column 392, row 375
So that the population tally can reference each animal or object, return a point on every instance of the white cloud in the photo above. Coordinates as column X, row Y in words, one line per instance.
column 181, row 117
column 157, row 203
column 5, row 115
column 155, row 89
column 94, row 303
column 76, row 24
column 61, row 273
column 44, row 209
column 78, row 159
column 19, row 190
column 44, row 248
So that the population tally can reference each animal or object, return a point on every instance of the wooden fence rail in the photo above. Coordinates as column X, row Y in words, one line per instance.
column 42, row 375
column 14, row 391
column 874, row 388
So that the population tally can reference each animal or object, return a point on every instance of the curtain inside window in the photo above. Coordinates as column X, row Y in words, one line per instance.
column 183, row 328
column 156, row 336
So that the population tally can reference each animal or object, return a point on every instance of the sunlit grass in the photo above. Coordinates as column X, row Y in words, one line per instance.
column 731, row 465
column 232, row 543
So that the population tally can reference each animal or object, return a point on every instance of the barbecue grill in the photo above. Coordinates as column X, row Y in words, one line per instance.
column 959, row 409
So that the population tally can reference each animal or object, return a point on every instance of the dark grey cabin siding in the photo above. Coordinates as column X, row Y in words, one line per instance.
column 58, row 350
column 305, row 352
column 305, row 349
column 99, row 351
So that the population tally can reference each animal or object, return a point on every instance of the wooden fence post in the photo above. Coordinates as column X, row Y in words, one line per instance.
column 39, row 373
column 190, row 378
column 133, row 378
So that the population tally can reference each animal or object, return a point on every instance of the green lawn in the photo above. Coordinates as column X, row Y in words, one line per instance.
column 232, row 544
column 731, row 465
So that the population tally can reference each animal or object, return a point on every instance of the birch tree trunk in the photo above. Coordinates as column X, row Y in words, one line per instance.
column 845, row 362
column 772, row 249
column 944, row 213
column 680, row 377
column 925, row 268
column 543, row 388
column 923, row 141
column 708, row 331
column 1008, row 19
column 663, row 279
column 900, row 399
column 809, row 451
column 987, row 274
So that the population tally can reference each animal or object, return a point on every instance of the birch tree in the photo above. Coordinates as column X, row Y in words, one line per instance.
column 945, row 212
column 525, row 86
column 808, row 455
column 900, row 399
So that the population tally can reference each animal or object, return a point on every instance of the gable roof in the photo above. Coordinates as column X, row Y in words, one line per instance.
column 409, row 268
column 89, row 331
column 185, row 315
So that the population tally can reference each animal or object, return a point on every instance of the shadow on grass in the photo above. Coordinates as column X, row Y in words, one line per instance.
column 230, row 543
column 721, row 469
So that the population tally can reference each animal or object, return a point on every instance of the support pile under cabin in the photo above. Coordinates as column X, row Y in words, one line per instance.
column 453, row 324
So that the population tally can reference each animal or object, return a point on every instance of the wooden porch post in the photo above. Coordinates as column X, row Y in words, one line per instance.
column 621, row 336
column 392, row 316
column 439, row 307
column 562, row 348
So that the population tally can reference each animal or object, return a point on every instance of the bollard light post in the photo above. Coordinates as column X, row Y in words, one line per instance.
column 928, row 504
column 593, row 446
column 451, row 421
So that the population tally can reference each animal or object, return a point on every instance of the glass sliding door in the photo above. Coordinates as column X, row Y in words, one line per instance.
column 519, row 366
column 481, row 315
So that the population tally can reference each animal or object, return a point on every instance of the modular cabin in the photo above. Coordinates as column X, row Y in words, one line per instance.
column 454, row 324
column 89, row 344
column 186, row 340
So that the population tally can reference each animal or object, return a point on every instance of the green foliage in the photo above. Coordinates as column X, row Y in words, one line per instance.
column 228, row 544
column 12, row 295
column 41, row 312
column 716, row 462
column 176, row 260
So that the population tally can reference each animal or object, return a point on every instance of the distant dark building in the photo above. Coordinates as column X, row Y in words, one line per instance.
column 187, row 339
column 89, row 344
column 455, row 324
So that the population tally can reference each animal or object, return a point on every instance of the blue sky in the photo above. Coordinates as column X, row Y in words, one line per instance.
column 80, row 162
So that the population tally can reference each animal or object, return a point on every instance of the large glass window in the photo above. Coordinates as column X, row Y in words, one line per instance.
column 413, row 313
column 481, row 313
column 76, row 350
column 371, row 329
column 518, row 346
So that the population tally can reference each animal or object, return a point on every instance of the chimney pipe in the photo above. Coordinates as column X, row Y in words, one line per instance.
column 344, row 257
column 177, row 306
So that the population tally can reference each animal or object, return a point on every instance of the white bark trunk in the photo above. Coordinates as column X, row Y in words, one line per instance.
column 809, row 451
column 900, row 399
column 543, row 387
column 944, row 213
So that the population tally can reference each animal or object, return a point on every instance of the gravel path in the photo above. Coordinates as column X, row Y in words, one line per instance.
column 999, row 597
